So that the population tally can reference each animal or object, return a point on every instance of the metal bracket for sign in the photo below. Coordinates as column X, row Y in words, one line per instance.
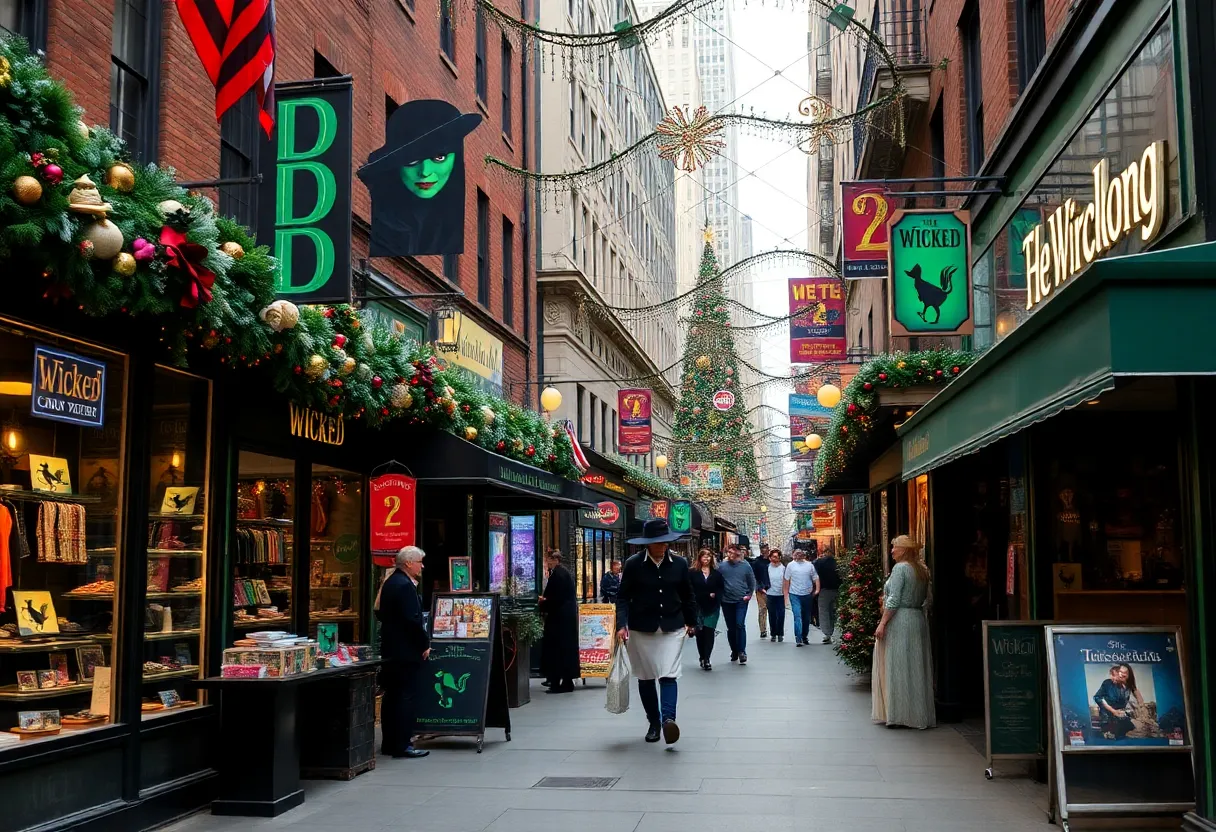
column 256, row 179
column 997, row 188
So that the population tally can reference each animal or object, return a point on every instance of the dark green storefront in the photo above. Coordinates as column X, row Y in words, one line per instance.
column 1077, row 448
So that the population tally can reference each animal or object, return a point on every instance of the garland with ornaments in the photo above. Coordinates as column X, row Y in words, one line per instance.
column 853, row 417
column 646, row 481
column 119, row 241
column 859, row 608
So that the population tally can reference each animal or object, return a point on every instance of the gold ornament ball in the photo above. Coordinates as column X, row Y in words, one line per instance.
column 399, row 397
column 470, row 433
column 487, row 414
column 124, row 264
column 83, row 130
column 814, row 442
column 120, row 177
column 660, row 461
column 27, row 190
column 105, row 237
column 713, row 446
column 702, row 362
column 348, row 366
column 316, row 367
column 233, row 250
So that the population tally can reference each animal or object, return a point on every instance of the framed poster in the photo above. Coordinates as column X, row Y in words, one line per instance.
column 596, row 639
column 50, row 473
column 179, row 500
column 460, row 574
column 817, row 320
column 863, row 229
column 35, row 612
column 930, row 262
column 633, row 426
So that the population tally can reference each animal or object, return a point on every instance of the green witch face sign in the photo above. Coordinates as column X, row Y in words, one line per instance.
column 426, row 177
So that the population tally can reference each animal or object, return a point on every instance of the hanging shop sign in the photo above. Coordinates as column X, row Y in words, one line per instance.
column 723, row 400
column 931, row 273
column 863, row 227
column 606, row 515
column 68, row 388
column 478, row 353
column 1133, row 201
column 801, row 496
column 316, row 426
column 633, row 425
column 817, row 319
column 807, row 416
column 702, row 476
column 600, row 481
column 304, row 199
column 393, row 503
column 652, row 510
column 681, row 517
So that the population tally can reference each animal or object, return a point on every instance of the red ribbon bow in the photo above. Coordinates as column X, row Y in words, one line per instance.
column 188, row 257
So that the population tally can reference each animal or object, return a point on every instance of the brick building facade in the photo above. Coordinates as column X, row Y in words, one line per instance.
column 395, row 52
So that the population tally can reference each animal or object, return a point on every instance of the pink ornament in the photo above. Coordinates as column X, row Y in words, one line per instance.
column 53, row 173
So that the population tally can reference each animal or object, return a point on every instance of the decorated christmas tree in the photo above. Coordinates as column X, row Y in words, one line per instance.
column 714, row 440
column 859, row 607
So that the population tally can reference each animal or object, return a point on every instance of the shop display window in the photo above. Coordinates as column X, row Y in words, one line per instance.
column 174, row 620
column 262, row 552
column 61, row 477
column 336, row 576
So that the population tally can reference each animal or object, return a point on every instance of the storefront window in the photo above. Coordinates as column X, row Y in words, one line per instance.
column 523, row 554
column 262, row 552
column 174, row 625
column 500, row 525
column 336, row 578
column 1137, row 111
column 61, row 478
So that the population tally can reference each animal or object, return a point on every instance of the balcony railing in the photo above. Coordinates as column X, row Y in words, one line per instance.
column 903, row 31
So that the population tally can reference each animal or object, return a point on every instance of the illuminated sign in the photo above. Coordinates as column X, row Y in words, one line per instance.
column 68, row 388
column 1072, row 237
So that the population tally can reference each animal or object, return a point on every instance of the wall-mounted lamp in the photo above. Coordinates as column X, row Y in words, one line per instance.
column 447, row 319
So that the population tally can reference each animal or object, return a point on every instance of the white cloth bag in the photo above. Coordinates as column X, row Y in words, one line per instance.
column 618, row 681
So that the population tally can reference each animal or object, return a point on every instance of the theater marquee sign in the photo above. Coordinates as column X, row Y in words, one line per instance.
column 1129, row 202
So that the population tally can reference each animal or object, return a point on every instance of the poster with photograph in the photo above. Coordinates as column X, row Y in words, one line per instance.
column 88, row 659
column 807, row 416
column 499, row 524
column 416, row 180
column 523, row 553
column 1119, row 689
column 596, row 631
column 50, row 473
column 179, row 500
column 35, row 612
column 463, row 618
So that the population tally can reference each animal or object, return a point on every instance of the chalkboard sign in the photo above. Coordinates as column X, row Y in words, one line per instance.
column 1015, row 687
column 464, row 688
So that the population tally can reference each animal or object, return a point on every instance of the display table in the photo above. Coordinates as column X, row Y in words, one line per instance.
column 261, row 739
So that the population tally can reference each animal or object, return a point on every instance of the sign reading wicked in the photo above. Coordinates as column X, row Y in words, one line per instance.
column 68, row 388
column 931, row 273
column 304, row 199
column 416, row 180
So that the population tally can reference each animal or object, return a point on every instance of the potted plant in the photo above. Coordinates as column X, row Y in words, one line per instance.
column 521, row 629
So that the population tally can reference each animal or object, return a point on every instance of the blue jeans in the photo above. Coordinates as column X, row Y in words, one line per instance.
column 776, row 616
column 650, row 699
column 801, row 605
column 736, row 625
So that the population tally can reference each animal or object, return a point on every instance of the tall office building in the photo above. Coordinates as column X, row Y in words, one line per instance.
column 716, row 69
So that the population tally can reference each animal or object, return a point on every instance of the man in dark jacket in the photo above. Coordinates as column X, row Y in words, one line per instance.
column 655, row 612
column 404, row 646
column 559, row 648
column 610, row 584
column 829, row 588
column 760, row 567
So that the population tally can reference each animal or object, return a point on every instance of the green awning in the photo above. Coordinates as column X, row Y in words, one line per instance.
column 1139, row 315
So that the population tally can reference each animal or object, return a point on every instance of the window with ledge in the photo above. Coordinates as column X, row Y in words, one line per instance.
column 506, row 58
column 451, row 267
column 447, row 32
column 238, row 160
column 508, row 272
column 479, row 56
column 134, row 56
column 27, row 19
column 1032, row 39
column 973, row 90
column 483, row 249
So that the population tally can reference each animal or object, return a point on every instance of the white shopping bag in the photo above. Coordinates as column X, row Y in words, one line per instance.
column 619, row 678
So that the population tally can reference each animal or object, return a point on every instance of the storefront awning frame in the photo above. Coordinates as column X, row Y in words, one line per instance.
column 1138, row 315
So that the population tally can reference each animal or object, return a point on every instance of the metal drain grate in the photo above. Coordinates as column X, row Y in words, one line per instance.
column 576, row 783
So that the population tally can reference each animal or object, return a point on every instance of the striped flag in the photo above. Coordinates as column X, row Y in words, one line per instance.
column 580, row 459
column 235, row 41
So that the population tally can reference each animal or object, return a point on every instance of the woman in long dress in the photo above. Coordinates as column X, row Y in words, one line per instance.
column 902, row 678
column 559, row 649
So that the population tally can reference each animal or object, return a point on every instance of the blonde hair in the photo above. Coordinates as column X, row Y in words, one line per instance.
column 912, row 555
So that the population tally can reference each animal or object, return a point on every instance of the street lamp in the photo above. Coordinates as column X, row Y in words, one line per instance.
column 550, row 399
column 660, row 461
column 764, row 509
column 828, row 395
column 448, row 320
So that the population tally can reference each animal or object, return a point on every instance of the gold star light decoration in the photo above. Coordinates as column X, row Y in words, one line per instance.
column 689, row 143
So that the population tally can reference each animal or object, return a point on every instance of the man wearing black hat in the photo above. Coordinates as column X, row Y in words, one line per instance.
column 655, row 612
column 416, row 181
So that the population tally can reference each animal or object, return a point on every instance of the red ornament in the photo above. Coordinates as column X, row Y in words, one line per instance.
column 339, row 340
column 501, row 445
column 299, row 369
column 852, row 408
column 187, row 258
column 844, row 428
column 377, row 381
column 552, row 457
column 867, row 386
column 384, row 411
column 848, row 636
column 956, row 370
column 53, row 173
column 882, row 376
column 328, row 313
column 531, row 451
column 938, row 373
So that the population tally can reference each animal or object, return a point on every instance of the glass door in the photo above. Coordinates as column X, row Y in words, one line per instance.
column 262, row 552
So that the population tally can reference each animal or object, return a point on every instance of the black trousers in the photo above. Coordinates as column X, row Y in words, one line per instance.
column 705, row 642
column 401, row 682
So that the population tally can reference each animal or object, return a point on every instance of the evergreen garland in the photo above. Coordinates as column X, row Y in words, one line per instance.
column 853, row 418
column 859, row 607
column 643, row 479
column 327, row 358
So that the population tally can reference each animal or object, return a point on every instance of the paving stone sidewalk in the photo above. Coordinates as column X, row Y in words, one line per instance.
column 785, row 743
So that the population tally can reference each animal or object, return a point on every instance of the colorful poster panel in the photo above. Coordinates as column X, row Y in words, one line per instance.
column 416, row 180
column 931, row 273
column 817, row 320
column 702, row 476
column 596, row 631
column 1119, row 689
column 802, row 498
column 863, row 227
column 807, row 416
column 633, row 428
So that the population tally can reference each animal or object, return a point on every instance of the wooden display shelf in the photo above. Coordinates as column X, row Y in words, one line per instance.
column 15, row 645
column 109, row 596
column 261, row 622
column 341, row 616
column 47, row 496
column 10, row 693
column 159, row 515
column 172, row 634
column 185, row 672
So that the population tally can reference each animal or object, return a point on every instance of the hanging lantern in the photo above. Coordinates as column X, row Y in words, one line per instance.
column 660, row 461
column 828, row 395
column 814, row 441
column 550, row 399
